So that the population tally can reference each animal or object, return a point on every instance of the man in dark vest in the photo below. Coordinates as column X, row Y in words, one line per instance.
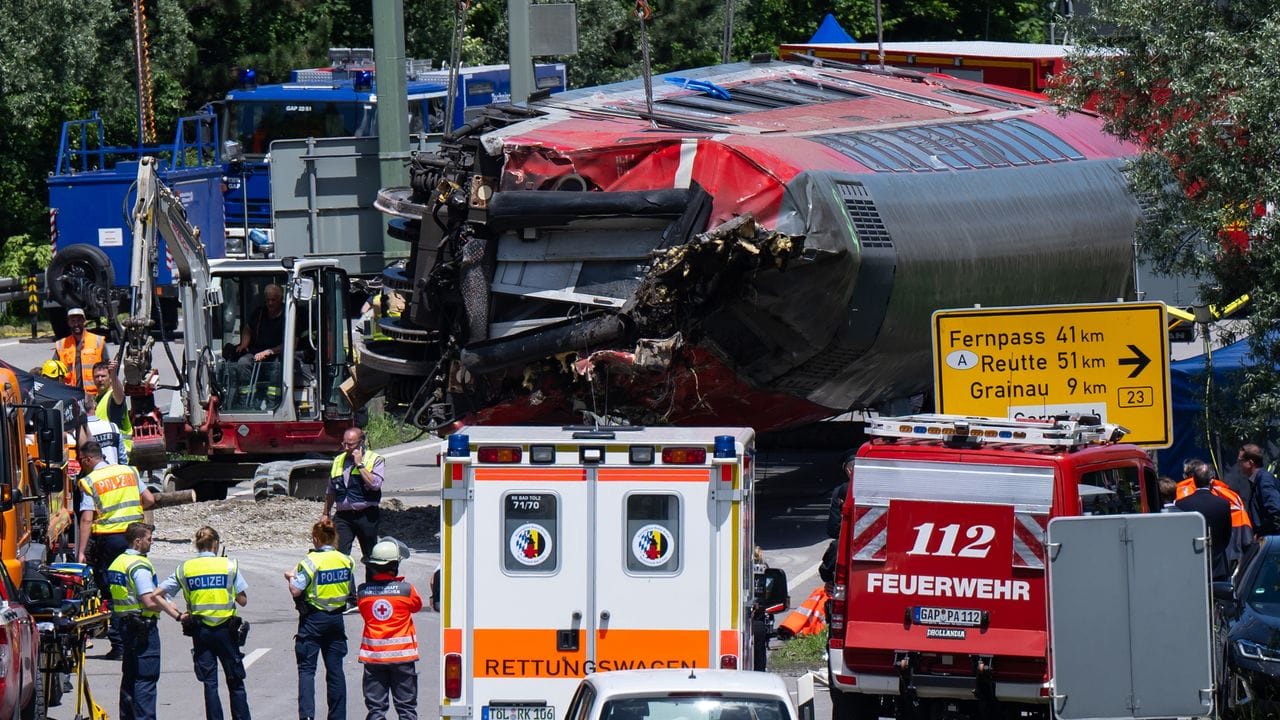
column 1217, row 519
column 355, row 490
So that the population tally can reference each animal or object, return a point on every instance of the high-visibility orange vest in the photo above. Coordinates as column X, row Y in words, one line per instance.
column 1239, row 515
column 388, row 608
column 808, row 618
column 90, row 353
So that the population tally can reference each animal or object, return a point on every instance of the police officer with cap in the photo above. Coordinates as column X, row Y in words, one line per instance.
column 389, row 644
column 321, row 586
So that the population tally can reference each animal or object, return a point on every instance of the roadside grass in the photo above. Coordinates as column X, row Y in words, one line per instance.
column 12, row 329
column 385, row 429
column 805, row 652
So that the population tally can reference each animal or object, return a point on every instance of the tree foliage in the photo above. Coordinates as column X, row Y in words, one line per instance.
column 1195, row 85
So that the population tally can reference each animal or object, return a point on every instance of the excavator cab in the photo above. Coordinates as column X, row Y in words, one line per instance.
column 301, row 382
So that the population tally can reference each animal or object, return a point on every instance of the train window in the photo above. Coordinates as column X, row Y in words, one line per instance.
column 952, row 146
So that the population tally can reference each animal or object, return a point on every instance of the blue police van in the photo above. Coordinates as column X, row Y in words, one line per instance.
column 340, row 100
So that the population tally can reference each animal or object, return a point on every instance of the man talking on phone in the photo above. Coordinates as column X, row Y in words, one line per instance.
column 355, row 490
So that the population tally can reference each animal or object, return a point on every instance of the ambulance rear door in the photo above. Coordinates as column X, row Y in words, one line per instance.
column 669, row 558
column 584, row 551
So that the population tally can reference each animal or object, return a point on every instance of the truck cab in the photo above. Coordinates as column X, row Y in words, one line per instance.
column 939, row 597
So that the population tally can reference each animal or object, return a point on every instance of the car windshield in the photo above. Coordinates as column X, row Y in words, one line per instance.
column 1265, row 592
column 700, row 707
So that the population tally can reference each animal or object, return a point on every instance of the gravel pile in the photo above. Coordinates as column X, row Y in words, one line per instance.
column 246, row 524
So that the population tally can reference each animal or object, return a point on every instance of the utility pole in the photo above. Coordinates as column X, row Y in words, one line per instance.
column 393, row 100
column 518, row 50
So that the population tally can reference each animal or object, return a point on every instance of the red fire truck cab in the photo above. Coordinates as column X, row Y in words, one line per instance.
column 939, row 605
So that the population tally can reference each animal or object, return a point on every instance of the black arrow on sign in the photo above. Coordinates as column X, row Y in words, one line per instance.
column 1139, row 359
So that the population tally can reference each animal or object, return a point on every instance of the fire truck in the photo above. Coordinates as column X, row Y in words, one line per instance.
column 939, row 602
column 571, row 550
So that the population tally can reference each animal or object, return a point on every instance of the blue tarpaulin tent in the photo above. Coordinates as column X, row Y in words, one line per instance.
column 1186, row 385
column 831, row 32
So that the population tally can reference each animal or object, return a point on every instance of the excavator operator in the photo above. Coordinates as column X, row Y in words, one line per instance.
column 258, row 353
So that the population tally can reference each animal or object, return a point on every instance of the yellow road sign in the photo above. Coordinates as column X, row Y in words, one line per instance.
column 1110, row 360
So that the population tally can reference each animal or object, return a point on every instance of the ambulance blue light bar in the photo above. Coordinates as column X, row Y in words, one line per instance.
column 459, row 446
column 725, row 447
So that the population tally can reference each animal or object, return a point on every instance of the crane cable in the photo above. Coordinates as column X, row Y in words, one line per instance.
column 146, row 111
column 460, row 8
column 643, row 11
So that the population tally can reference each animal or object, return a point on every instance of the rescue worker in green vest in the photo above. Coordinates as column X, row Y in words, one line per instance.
column 212, row 586
column 322, row 586
column 132, row 582
column 355, row 490
column 108, row 404
column 112, row 497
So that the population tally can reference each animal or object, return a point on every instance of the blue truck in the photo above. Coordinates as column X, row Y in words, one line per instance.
column 339, row 101
column 91, row 198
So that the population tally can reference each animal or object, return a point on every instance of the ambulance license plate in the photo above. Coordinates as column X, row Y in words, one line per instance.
column 947, row 616
column 518, row 712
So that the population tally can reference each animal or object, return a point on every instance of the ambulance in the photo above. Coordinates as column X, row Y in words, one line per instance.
column 567, row 551
column 939, row 605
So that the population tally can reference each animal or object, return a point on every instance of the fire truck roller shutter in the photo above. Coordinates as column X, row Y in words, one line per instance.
column 75, row 276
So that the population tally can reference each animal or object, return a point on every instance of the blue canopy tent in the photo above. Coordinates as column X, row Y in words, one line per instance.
column 831, row 32
column 1186, row 385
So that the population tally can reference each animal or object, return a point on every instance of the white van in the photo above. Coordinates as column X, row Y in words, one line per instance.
column 689, row 695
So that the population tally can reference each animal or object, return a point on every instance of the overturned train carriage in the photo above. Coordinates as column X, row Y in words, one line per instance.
column 763, row 245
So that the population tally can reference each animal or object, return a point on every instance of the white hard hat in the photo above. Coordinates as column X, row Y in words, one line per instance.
column 388, row 550
column 75, row 311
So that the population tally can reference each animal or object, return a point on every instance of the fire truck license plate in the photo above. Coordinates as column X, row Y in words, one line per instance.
column 517, row 712
column 948, row 616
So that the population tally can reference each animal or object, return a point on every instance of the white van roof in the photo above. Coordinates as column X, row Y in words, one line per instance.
column 659, row 682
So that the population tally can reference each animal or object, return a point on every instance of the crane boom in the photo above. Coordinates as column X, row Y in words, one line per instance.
column 158, row 211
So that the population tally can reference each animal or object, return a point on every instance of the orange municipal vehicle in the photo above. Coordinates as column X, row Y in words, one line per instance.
column 1022, row 66
column 939, row 604
column 34, row 512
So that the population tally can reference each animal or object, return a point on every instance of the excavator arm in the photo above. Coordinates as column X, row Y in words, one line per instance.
column 159, row 213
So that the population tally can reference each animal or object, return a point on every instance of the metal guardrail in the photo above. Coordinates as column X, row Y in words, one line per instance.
column 15, row 289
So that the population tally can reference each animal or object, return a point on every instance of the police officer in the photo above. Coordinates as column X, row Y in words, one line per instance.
column 389, row 645
column 107, row 434
column 355, row 490
column 112, row 497
column 132, row 582
column 212, row 586
column 321, row 586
